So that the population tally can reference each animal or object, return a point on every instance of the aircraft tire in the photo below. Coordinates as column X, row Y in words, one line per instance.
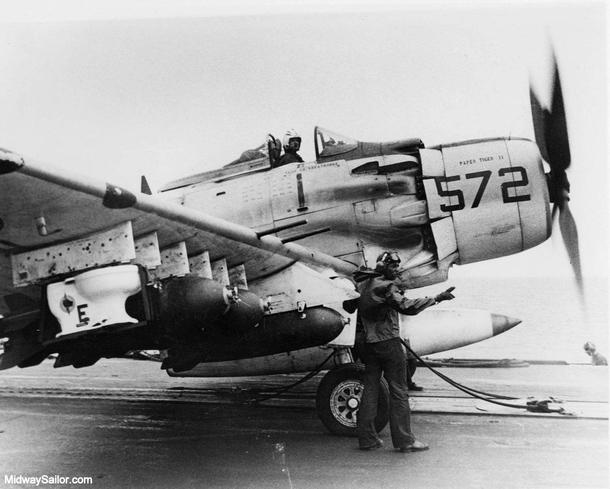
column 338, row 399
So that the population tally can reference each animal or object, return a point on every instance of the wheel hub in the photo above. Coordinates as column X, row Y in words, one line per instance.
column 345, row 401
column 353, row 403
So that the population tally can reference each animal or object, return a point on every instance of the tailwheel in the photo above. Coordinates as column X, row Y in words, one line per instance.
column 339, row 396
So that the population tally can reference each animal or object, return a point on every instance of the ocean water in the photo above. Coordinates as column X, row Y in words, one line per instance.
column 554, row 324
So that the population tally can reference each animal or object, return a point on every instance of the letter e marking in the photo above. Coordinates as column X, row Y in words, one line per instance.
column 84, row 320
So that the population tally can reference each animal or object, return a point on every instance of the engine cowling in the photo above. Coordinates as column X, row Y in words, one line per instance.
column 486, row 198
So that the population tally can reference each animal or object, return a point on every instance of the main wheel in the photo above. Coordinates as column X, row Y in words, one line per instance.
column 339, row 396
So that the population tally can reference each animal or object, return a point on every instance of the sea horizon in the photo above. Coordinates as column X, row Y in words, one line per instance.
column 554, row 325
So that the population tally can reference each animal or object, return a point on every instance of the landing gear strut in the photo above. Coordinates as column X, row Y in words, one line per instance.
column 339, row 396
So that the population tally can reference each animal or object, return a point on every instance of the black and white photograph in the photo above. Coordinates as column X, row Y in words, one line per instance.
column 295, row 245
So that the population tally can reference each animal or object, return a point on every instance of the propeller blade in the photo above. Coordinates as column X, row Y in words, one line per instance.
column 569, row 233
column 551, row 130
column 539, row 118
column 556, row 129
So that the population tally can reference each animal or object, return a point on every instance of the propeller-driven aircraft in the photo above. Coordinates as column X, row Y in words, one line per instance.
column 244, row 270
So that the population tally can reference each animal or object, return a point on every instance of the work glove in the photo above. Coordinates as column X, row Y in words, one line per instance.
column 445, row 296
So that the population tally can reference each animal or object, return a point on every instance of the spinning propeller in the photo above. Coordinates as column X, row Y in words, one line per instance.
column 551, row 132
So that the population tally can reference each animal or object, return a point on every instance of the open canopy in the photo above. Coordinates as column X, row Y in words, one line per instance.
column 329, row 143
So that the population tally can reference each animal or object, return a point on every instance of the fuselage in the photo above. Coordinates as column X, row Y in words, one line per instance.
column 457, row 203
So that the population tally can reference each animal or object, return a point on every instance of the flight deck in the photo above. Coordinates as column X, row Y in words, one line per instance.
column 125, row 423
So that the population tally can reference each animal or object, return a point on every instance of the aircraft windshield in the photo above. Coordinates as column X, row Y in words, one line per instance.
column 330, row 143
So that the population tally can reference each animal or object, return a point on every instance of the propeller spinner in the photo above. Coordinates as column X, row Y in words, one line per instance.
column 550, row 127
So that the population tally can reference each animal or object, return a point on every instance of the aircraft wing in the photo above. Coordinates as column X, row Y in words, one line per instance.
column 41, row 206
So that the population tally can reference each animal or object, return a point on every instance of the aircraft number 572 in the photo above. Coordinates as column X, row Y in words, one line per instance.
column 519, row 180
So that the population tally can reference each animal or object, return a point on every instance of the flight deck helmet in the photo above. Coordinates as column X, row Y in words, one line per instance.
column 385, row 259
column 291, row 135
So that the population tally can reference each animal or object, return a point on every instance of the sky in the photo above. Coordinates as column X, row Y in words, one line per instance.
column 117, row 90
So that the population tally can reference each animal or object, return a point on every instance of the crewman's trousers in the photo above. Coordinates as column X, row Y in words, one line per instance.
column 385, row 357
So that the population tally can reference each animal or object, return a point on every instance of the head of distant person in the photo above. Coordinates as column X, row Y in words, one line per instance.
column 388, row 264
column 589, row 348
column 292, row 141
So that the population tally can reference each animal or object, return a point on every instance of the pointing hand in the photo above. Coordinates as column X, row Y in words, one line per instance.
column 445, row 296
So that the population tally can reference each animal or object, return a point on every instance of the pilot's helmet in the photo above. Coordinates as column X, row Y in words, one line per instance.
column 289, row 136
column 385, row 259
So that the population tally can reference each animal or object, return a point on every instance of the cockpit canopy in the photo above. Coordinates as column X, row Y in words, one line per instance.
column 329, row 146
column 330, row 143
column 334, row 146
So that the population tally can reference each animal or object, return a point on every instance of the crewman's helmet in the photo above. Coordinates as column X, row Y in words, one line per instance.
column 289, row 136
column 385, row 259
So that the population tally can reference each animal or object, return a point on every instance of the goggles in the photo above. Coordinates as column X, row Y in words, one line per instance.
column 390, row 257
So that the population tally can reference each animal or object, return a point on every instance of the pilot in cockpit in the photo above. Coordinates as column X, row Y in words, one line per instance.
column 292, row 144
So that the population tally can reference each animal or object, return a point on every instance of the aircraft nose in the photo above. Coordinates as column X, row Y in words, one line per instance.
column 501, row 323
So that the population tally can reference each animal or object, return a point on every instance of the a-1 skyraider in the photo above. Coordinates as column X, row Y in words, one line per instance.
column 244, row 270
